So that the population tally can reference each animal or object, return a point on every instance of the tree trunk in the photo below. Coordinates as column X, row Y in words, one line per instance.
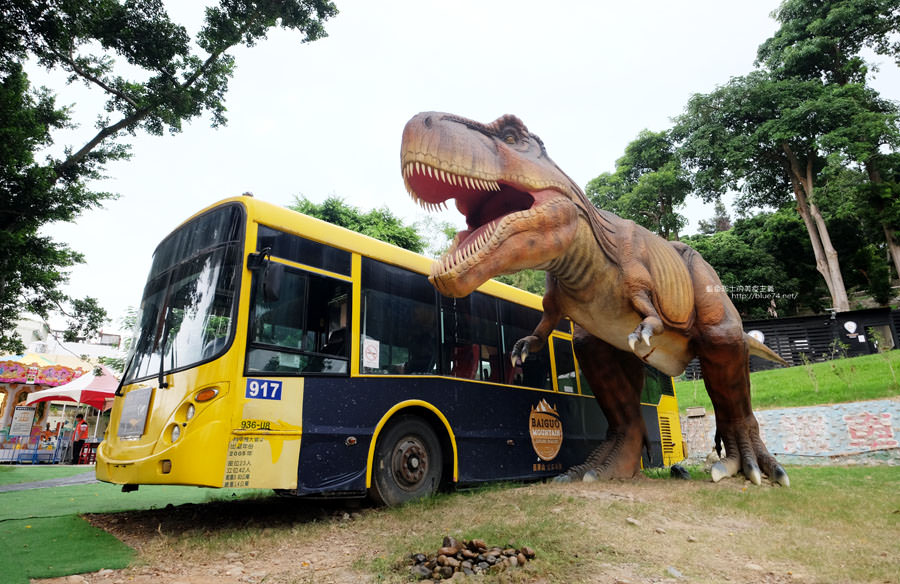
column 893, row 247
column 890, row 236
column 827, row 262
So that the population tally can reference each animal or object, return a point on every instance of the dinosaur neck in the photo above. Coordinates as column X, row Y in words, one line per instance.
column 575, row 269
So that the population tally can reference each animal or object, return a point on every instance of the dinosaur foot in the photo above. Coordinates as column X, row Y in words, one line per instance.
column 617, row 457
column 746, row 453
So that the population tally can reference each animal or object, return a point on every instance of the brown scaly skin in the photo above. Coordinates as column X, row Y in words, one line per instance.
column 636, row 298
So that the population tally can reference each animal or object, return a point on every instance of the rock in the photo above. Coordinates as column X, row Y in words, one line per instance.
column 692, row 539
column 76, row 579
column 529, row 553
column 674, row 572
column 482, row 566
column 420, row 571
column 448, row 550
column 445, row 571
column 450, row 542
column 753, row 567
column 469, row 554
column 106, row 572
column 522, row 559
column 633, row 521
column 419, row 558
column 478, row 545
column 660, row 531
column 513, row 561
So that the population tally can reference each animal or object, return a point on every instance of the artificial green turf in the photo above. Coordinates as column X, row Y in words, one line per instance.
column 104, row 498
column 10, row 475
column 837, row 381
column 46, row 547
column 49, row 539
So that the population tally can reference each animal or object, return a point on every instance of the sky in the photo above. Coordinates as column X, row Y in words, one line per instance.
column 325, row 118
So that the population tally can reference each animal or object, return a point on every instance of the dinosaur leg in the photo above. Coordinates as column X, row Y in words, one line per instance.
column 616, row 377
column 652, row 323
column 726, row 373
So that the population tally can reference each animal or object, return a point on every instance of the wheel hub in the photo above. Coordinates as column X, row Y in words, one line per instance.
column 410, row 462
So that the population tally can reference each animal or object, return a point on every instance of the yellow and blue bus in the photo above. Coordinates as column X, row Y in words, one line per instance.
column 274, row 350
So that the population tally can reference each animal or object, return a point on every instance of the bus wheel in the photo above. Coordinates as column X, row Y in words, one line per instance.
column 407, row 462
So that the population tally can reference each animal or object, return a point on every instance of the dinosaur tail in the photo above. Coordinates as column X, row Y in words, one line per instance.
column 760, row 350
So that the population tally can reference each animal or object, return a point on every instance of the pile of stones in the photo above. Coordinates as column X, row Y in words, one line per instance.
column 470, row 557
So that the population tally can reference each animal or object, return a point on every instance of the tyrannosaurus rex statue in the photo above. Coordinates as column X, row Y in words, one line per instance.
column 635, row 297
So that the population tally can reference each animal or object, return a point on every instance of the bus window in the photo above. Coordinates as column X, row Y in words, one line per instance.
column 303, row 251
column 470, row 343
column 517, row 322
column 565, row 365
column 399, row 322
column 304, row 330
column 656, row 384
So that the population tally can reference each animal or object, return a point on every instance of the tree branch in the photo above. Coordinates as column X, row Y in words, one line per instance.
column 70, row 61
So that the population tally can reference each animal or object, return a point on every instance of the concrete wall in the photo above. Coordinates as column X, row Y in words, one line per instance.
column 819, row 431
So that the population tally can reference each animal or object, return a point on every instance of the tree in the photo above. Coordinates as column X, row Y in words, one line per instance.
column 165, row 81
column 648, row 186
column 823, row 40
column 765, row 137
column 378, row 223
column 719, row 222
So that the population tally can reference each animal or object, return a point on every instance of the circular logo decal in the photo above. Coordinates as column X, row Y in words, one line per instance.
column 546, row 432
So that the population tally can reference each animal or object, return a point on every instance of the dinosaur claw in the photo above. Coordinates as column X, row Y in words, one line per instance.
column 590, row 477
column 632, row 340
column 563, row 478
column 726, row 467
column 645, row 336
column 753, row 473
column 780, row 477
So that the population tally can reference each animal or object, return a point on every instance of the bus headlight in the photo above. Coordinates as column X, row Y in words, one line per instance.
column 190, row 412
column 176, row 433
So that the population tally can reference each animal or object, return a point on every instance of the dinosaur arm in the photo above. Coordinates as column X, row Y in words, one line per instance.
column 538, row 338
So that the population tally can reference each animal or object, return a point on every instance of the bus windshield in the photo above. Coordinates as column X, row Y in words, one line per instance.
column 188, row 308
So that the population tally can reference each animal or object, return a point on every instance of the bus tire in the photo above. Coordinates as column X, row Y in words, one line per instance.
column 408, row 462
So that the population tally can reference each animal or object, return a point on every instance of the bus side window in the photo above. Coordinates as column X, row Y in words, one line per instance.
column 471, row 347
column 399, row 322
column 565, row 366
column 517, row 322
column 293, row 330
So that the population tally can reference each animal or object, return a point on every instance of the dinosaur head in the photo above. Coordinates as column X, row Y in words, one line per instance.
column 521, row 210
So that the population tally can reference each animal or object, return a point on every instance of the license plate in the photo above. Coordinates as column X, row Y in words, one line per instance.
column 135, row 408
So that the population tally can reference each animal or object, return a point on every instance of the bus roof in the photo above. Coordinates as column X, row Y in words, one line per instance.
column 297, row 223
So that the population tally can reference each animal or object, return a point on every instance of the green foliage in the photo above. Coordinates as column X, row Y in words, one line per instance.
column 648, row 186
column 533, row 281
column 86, row 317
column 825, row 38
column 770, row 251
column 720, row 221
column 378, row 223
column 154, row 80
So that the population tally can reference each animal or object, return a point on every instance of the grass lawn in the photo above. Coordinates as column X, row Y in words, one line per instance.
column 45, row 537
column 838, row 381
column 10, row 475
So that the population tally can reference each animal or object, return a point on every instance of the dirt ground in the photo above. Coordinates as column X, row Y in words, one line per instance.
column 294, row 542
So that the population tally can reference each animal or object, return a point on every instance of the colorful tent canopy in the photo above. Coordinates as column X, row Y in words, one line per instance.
column 89, row 389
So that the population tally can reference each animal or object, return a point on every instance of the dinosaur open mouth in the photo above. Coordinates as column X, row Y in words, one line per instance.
column 485, row 203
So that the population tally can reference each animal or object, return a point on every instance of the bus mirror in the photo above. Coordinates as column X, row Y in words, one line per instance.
column 258, row 260
column 272, row 281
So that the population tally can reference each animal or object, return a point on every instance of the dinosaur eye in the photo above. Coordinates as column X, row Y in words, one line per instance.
column 510, row 139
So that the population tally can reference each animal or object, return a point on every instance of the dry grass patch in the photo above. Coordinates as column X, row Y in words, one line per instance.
column 833, row 525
